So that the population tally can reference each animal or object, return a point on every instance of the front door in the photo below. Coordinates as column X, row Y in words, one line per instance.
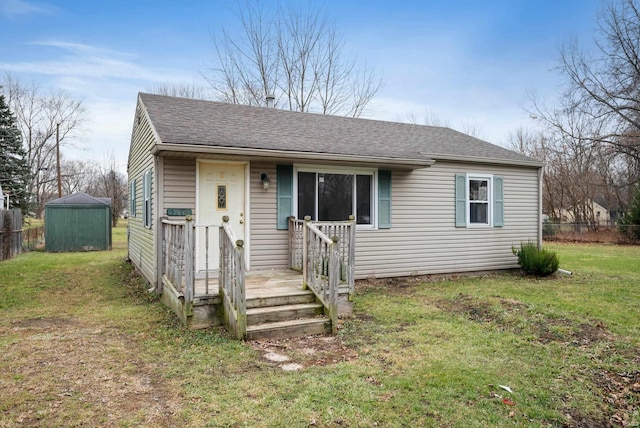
column 221, row 192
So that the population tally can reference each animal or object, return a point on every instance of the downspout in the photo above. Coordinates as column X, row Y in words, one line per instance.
column 540, row 176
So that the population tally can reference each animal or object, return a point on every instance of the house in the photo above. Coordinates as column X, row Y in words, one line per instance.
column 425, row 200
column 592, row 213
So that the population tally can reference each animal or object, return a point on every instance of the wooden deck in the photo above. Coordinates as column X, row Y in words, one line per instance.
column 258, row 284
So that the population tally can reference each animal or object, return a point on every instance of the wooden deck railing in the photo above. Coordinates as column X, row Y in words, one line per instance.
column 321, row 268
column 178, row 268
column 231, row 280
column 178, row 258
column 345, row 234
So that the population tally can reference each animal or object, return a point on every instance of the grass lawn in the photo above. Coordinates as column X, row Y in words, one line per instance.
column 83, row 344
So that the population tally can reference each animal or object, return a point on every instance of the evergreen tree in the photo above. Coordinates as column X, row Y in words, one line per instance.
column 629, row 224
column 14, row 169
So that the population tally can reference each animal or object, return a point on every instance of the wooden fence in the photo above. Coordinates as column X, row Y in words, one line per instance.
column 10, row 233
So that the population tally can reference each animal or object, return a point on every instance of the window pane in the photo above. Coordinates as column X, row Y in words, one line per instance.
column 363, row 199
column 478, row 190
column 335, row 197
column 478, row 212
column 307, row 195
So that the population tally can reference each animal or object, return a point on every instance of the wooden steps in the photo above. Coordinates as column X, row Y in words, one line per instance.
column 279, row 313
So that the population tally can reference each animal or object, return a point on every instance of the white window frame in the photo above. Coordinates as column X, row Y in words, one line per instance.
column 373, row 172
column 489, row 179
column 133, row 203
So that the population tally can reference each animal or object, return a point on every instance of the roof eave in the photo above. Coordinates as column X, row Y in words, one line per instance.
column 400, row 163
column 484, row 160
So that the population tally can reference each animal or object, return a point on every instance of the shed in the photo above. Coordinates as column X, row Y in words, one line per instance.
column 78, row 222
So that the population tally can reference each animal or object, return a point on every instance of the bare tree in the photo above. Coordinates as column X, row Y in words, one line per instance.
column 39, row 115
column 181, row 89
column 98, row 180
column 472, row 128
column 605, row 86
column 113, row 185
column 295, row 54
column 427, row 117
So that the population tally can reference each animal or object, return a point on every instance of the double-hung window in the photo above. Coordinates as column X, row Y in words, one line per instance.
column 479, row 208
column 335, row 195
column 479, row 200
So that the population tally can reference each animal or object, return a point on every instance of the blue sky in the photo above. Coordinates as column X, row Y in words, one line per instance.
column 468, row 63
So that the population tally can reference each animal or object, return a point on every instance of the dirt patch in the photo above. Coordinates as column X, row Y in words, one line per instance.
column 307, row 351
column 578, row 420
column 512, row 315
column 406, row 284
column 42, row 323
column 57, row 368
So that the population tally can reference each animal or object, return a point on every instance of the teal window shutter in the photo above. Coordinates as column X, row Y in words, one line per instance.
column 147, row 213
column 498, row 201
column 284, row 195
column 384, row 199
column 461, row 200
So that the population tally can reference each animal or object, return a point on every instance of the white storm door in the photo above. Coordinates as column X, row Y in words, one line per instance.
column 221, row 192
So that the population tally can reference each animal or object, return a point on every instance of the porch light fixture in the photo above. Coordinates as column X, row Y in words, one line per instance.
column 264, row 178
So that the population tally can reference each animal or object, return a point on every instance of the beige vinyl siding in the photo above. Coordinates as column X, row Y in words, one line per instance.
column 269, row 246
column 141, row 239
column 179, row 184
column 423, row 238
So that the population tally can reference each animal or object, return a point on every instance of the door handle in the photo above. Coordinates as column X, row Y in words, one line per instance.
column 241, row 221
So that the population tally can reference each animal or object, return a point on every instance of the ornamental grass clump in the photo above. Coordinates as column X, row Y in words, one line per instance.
column 536, row 261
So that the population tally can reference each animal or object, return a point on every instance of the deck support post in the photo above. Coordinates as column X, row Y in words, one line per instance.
column 239, row 289
column 305, row 253
column 189, row 281
column 334, row 280
column 351, row 268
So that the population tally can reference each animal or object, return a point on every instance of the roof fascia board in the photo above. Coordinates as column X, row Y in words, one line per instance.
column 158, row 149
column 477, row 159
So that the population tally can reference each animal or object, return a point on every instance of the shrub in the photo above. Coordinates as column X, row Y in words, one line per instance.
column 536, row 261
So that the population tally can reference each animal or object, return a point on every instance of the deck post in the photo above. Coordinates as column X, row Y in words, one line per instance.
column 334, row 280
column 221, row 272
column 292, row 238
column 239, row 289
column 351, row 269
column 189, row 283
column 305, row 252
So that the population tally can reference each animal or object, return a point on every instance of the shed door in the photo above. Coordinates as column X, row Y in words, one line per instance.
column 221, row 192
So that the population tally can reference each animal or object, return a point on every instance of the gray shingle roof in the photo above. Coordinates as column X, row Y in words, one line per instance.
column 80, row 198
column 198, row 122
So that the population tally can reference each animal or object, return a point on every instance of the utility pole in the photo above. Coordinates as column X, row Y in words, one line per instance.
column 58, row 158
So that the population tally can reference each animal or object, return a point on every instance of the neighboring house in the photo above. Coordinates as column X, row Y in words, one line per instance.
column 427, row 200
column 593, row 210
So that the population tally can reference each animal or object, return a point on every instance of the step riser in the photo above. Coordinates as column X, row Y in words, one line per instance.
column 294, row 331
column 284, row 315
column 264, row 302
